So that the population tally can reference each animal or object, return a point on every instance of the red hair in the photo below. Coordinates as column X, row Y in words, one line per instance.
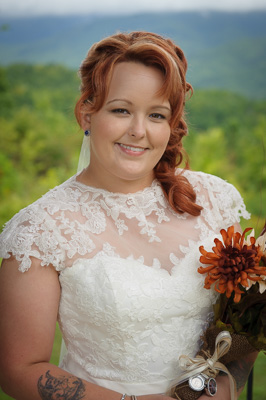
column 151, row 50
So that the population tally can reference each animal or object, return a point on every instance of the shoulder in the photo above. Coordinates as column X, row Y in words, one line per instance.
column 49, row 203
column 34, row 231
column 199, row 176
column 220, row 199
column 201, row 180
column 62, row 195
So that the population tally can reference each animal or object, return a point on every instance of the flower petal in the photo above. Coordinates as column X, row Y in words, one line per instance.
column 243, row 236
column 262, row 286
column 204, row 270
column 237, row 237
column 261, row 242
column 247, row 240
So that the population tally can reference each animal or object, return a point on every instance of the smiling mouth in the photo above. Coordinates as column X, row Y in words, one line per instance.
column 131, row 148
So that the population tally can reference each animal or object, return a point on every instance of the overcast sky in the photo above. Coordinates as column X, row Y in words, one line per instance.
column 64, row 7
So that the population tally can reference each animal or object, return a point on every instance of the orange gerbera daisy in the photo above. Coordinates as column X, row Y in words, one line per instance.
column 233, row 263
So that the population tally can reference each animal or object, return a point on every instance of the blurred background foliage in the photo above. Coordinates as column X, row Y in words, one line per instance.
column 40, row 139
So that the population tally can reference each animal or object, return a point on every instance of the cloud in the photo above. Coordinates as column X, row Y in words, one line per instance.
column 65, row 7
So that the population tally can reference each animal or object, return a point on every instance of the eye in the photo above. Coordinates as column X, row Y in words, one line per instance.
column 120, row 111
column 157, row 116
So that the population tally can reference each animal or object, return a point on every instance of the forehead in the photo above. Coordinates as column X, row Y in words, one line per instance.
column 134, row 77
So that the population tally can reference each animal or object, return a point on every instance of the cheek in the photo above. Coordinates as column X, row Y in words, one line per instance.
column 101, row 131
column 110, row 129
column 163, row 138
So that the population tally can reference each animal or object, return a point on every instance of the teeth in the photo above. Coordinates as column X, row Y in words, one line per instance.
column 131, row 148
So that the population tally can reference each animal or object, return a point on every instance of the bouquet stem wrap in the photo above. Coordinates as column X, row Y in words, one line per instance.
column 240, row 345
column 204, row 363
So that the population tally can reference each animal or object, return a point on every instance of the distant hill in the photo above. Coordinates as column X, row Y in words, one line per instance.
column 224, row 50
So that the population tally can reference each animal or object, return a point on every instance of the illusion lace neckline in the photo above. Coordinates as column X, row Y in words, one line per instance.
column 155, row 183
column 75, row 220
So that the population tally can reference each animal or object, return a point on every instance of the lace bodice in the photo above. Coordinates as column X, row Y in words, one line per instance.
column 131, row 300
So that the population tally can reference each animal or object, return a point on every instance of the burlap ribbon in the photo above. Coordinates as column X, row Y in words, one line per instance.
column 210, row 366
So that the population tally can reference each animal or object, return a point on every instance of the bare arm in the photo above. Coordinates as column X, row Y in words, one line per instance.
column 28, row 312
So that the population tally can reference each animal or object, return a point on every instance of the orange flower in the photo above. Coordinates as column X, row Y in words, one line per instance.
column 233, row 263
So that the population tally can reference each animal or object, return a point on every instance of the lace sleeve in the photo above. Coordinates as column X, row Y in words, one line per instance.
column 231, row 204
column 222, row 203
column 226, row 202
column 33, row 233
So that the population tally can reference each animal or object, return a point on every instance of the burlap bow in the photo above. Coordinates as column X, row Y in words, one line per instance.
column 209, row 366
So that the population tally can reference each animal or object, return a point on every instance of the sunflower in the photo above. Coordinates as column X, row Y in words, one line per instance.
column 234, row 263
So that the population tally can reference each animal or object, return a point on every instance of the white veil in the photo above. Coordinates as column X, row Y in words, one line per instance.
column 84, row 156
column 84, row 160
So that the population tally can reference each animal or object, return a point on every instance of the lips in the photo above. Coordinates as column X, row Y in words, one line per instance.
column 132, row 148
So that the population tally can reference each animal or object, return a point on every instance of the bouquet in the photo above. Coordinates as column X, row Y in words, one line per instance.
column 236, row 268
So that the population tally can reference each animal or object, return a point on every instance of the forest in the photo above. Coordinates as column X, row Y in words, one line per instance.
column 40, row 139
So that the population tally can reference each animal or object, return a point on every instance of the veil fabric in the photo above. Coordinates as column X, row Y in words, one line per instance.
column 84, row 156
column 84, row 161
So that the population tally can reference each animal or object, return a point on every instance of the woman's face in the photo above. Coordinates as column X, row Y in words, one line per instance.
column 130, row 132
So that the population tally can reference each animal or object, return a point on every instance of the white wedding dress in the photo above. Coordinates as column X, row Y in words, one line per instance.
column 132, row 300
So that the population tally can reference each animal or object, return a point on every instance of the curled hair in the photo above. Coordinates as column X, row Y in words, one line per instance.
column 152, row 50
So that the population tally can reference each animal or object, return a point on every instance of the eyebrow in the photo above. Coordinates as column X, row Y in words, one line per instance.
column 129, row 102
column 124, row 100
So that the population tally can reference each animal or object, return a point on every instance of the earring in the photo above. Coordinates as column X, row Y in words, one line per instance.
column 87, row 133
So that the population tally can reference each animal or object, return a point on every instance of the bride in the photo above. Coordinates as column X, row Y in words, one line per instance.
column 113, row 252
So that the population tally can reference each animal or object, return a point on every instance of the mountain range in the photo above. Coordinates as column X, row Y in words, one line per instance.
column 224, row 50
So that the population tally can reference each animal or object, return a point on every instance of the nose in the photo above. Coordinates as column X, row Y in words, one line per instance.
column 137, row 127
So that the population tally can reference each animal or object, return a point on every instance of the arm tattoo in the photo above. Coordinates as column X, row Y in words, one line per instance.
column 240, row 370
column 61, row 388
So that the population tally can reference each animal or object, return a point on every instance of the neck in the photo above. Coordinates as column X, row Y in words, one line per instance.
column 115, row 185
